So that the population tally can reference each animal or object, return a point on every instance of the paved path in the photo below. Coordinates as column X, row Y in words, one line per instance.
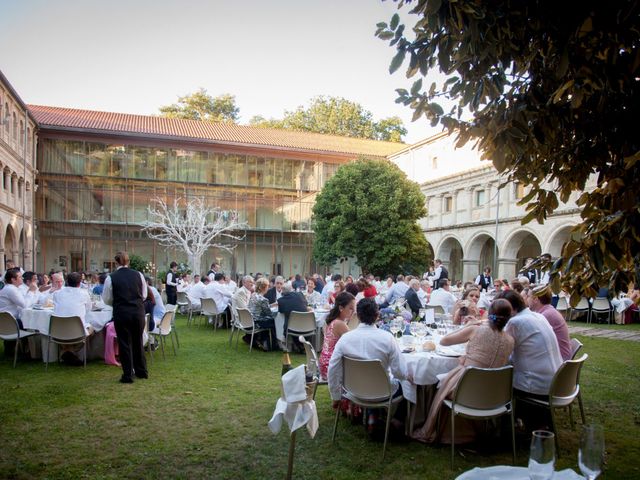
column 633, row 335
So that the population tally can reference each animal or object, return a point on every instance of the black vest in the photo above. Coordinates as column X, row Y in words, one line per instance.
column 444, row 273
column 485, row 284
column 126, row 285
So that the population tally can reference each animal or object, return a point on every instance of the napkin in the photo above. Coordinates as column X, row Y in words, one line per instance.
column 293, row 385
column 293, row 406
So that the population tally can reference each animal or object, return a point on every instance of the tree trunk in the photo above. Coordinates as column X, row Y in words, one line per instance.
column 195, row 262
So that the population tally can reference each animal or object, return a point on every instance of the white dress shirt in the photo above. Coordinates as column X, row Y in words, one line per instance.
column 12, row 301
column 220, row 294
column 158, row 309
column 442, row 297
column 107, row 292
column 326, row 290
column 196, row 293
column 366, row 342
column 396, row 292
column 72, row 302
column 422, row 296
column 536, row 355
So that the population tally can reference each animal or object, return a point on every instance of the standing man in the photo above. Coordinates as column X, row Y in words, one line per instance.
column 531, row 273
column 440, row 273
column 172, row 284
column 215, row 268
column 126, row 289
column 484, row 281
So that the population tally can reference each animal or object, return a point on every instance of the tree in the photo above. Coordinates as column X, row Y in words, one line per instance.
column 549, row 91
column 336, row 116
column 202, row 106
column 368, row 210
column 193, row 227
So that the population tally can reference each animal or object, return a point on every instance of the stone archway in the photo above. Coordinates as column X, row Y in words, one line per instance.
column 480, row 252
column 451, row 253
column 518, row 246
column 557, row 239
column 10, row 245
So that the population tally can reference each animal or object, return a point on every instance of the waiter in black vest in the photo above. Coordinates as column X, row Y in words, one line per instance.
column 126, row 289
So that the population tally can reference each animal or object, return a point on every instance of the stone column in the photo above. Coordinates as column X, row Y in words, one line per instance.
column 470, row 269
column 506, row 268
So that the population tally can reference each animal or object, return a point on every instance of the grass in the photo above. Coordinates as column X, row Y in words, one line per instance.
column 204, row 413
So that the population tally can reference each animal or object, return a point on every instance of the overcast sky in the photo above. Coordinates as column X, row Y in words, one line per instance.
column 133, row 56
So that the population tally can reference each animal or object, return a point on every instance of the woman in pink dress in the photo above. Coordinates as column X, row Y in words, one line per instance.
column 343, row 309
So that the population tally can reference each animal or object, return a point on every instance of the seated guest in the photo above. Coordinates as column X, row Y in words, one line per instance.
column 261, row 312
column 220, row 293
column 97, row 290
column 353, row 289
column 11, row 300
column 367, row 343
column 312, row 296
column 443, row 296
column 536, row 355
column 290, row 301
column 57, row 283
column 319, row 283
column 505, row 285
column 298, row 283
column 240, row 299
column 72, row 300
column 197, row 292
column 158, row 305
column 466, row 310
column 397, row 291
column 327, row 290
column 338, row 287
column 539, row 300
column 275, row 292
column 336, row 325
column 489, row 347
column 411, row 295
column 368, row 288
column 29, row 289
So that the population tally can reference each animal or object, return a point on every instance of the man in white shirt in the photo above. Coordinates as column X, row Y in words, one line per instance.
column 215, row 268
column 536, row 355
column 197, row 291
column 57, row 283
column 443, row 297
column 368, row 343
column 397, row 291
column 219, row 292
column 241, row 298
column 329, row 286
column 11, row 300
column 29, row 289
column 73, row 301
column 423, row 293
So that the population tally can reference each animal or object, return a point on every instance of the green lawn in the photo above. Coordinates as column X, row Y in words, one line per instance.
column 204, row 413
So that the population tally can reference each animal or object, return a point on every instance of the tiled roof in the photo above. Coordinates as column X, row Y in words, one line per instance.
column 208, row 132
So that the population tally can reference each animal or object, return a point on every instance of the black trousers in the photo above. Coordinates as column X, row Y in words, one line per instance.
column 172, row 295
column 129, row 328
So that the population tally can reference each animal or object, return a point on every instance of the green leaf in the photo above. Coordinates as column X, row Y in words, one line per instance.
column 397, row 61
column 415, row 88
column 395, row 20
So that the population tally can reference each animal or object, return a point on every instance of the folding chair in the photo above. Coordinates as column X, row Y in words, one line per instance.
column 10, row 331
column 582, row 306
column 246, row 324
column 66, row 331
column 302, row 324
column 164, row 330
column 313, row 367
column 600, row 305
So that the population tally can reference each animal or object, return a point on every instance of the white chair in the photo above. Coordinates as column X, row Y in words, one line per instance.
column 563, row 306
column 483, row 393
column 10, row 331
column 191, row 309
column 163, row 330
column 366, row 383
column 437, row 309
column 174, row 330
column 313, row 366
column 600, row 305
column 582, row 306
column 576, row 346
column 564, row 390
column 145, row 333
column 66, row 331
column 210, row 310
column 246, row 324
column 302, row 324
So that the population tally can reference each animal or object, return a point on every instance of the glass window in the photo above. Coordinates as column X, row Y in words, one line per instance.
column 519, row 190
column 448, row 204
column 480, row 198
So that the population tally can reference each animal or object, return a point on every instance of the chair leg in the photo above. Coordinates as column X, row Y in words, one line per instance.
column 175, row 332
column 231, row 336
column 251, row 344
column 335, row 425
column 46, row 363
column 386, row 431
column 15, row 352
column 238, row 338
column 573, row 426
column 555, row 431
column 581, row 409
column 513, row 434
column 453, row 436
column 85, row 354
column 162, row 347
column 173, row 345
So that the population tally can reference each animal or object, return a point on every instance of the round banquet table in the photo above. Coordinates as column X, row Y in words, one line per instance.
column 425, row 367
column 502, row 472
column 38, row 319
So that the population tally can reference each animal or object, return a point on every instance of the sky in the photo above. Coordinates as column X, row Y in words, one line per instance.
column 132, row 56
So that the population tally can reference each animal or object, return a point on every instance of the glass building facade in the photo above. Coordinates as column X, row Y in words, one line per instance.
column 94, row 195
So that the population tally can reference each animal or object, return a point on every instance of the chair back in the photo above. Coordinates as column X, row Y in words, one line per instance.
column 208, row 307
column 302, row 322
column 576, row 345
column 563, row 305
column 166, row 322
column 566, row 381
column 66, row 328
column 583, row 304
column 8, row 324
column 436, row 309
column 312, row 357
column 182, row 298
column 485, row 388
column 366, row 379
column 601, row 304
column 245, row 319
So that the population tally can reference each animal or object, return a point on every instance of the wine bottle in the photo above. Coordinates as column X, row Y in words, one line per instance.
column 286, row 363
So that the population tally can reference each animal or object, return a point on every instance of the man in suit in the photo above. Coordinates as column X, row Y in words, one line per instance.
column 126, row 290
column 531, row 273
column 440, row 273
column 290, row 301
column 411, row 295
column 241, row 298
column 275, row 292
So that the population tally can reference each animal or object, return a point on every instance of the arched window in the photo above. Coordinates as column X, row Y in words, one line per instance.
column 15, row 126
column 21, row 133
column 5, row 117
column 29, row 141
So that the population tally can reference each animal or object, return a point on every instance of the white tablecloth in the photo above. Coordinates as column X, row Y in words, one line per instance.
column 502, row 472
column 39, row 319
column 425, row 367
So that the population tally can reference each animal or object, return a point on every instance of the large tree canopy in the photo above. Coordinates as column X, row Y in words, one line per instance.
column 553, row 93
column 368, row 210
column 337, row 116
column 202, row 106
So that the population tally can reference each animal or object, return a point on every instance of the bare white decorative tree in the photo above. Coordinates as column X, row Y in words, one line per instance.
column 193, row 227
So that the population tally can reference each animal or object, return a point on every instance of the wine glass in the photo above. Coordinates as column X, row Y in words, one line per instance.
column 413, row 326
column 394, row 327
column 542, row 457
column 591, row 451
column 421, row 332
column 422, row 313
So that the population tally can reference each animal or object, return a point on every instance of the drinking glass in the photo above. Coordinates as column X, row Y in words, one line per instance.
column 422, row 313
column 394, row 327
column 542, row 457
column 591, row 451
column 413, row 326
column 421, row 332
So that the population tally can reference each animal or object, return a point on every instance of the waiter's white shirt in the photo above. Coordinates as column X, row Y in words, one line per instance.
column 71, row 302
column 12, row 301
column 196, row 293
column 536, row 356
column 220, row 294
column 366, row 342
column 107, row 292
